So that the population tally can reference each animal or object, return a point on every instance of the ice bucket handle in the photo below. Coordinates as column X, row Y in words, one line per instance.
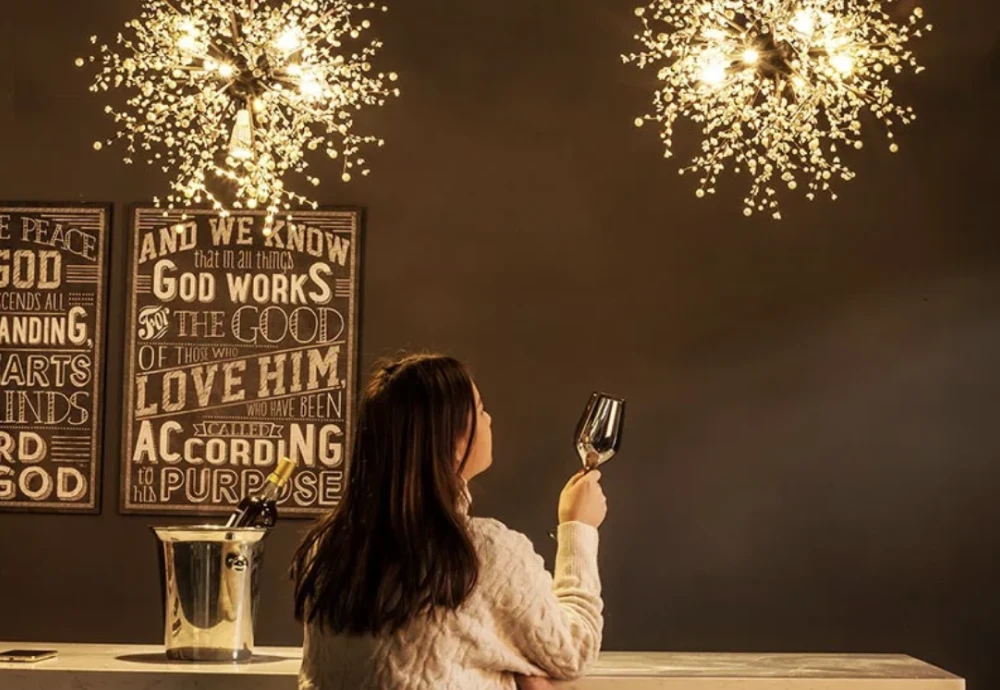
column 237, row 562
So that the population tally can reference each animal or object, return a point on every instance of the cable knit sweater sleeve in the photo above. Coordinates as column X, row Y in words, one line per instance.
column 553, row 623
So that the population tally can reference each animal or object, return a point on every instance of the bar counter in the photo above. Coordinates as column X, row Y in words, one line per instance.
column 144, row 667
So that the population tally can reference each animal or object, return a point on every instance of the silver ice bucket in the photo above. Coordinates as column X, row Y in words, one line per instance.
column 210, row 590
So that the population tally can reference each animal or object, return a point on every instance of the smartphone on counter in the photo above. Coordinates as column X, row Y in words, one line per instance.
column 26, row 655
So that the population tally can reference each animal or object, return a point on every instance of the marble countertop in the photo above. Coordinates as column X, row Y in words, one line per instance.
column 144, row 667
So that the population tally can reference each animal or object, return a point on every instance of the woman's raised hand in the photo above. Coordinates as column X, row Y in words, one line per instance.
column 583, row 500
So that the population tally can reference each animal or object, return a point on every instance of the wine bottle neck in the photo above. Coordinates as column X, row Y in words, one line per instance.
column 270, row 489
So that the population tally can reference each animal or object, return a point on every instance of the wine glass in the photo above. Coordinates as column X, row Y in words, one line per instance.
column 599, row 432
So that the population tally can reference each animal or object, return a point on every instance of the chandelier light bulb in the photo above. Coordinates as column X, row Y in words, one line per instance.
column 750, row 56
column 804, row 22
column 842, row 63
column 188, row 43
column 241, row 143
column 310, row 87
column 713, row 74
column 713, row 70
column 289, row 41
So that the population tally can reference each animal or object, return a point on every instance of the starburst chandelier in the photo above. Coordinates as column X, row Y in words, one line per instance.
column 778, row 88
column 228, row 96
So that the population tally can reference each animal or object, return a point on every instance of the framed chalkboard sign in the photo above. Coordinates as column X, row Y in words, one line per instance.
column 53, row 303
column 242, row 348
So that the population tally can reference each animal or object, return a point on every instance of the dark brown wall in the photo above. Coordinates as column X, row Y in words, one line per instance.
column 812, row 459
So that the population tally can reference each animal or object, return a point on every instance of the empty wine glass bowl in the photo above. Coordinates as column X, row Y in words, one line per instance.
column 599, row 431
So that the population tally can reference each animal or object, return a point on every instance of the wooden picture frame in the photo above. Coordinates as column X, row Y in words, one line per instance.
column 52, row 355
column 241, row 348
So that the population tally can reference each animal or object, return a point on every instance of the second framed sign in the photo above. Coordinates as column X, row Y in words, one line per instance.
column 242, row 348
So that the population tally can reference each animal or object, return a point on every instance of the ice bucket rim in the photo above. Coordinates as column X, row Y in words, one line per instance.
column 208, row 533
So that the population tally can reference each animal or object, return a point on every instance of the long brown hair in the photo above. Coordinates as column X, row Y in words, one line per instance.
column 397, row 546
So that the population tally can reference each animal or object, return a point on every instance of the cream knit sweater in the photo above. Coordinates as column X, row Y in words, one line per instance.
column 518, row 620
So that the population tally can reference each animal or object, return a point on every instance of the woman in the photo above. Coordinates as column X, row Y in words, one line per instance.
column 399, row 589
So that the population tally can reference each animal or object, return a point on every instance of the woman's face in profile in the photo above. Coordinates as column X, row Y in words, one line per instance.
column 481, row 453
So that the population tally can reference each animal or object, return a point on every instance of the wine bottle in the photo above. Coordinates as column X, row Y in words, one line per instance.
column 261, row 509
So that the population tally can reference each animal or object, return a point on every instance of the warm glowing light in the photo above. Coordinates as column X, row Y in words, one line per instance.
column 229, row 97
column 188, row 43
column 713, row 70
column 713, row 74
column 804, row 22
column 241, row 143
column 187, row 39
column 787, row 122
column 842, row 63
column 311, row 87
column 289, row 41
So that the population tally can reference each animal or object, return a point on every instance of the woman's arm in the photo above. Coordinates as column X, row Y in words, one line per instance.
column 555, row 624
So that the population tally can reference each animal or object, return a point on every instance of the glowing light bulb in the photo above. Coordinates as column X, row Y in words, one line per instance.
column 804, row 22
column 226, row 70
column 188, row 36
column 241, row 143
column 713, row 74
column 310, row 87
column 713, row 68
column 289, row 41
column 842, row 63
column 188, row 43
column 750, row 56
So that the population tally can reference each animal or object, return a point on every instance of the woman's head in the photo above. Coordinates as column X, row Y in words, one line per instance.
column 423, row 416
column 397, row 546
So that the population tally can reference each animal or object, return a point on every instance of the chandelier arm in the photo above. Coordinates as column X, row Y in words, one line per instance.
column 235, row 24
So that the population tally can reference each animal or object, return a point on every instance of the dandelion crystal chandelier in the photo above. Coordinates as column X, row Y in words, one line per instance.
column 779, row 88
column 228, row 96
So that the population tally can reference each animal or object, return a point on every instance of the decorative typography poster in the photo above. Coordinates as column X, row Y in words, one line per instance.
column 52, row 314
column 241, row 350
